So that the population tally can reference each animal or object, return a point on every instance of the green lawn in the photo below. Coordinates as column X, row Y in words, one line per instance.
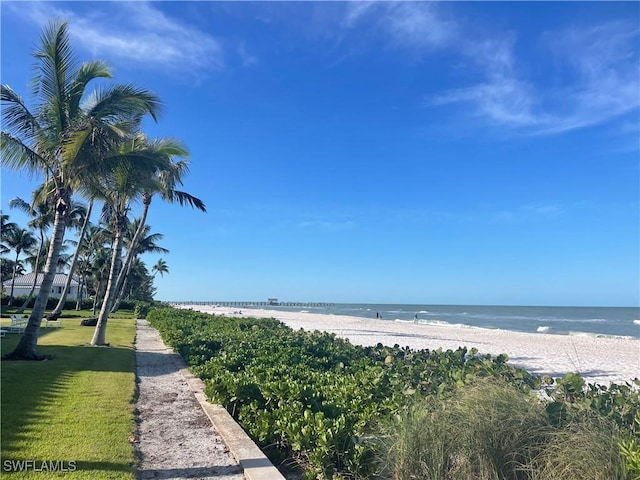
column 76, row 409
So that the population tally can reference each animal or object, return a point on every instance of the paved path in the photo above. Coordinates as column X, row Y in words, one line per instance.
column 175, row 439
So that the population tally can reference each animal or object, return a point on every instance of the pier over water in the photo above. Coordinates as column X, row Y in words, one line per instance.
column 256, row 304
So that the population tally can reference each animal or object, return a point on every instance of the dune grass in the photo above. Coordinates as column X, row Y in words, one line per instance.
column 492, row 431
column 76, row 409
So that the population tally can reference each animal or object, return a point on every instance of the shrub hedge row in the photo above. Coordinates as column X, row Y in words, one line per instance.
column 313, row 397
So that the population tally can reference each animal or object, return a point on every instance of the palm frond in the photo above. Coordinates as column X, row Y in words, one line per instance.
column 121, row 103
column 184, row 198
column 16, row 155
column 16, row 117
column 170, row 147
column 86, row 73
column 55, row 68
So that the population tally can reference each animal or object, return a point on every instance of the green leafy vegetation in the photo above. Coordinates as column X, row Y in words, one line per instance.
column 337, row 410
column 311, row 397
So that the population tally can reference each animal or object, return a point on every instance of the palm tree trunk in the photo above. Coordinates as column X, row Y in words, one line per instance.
column 79, row 296
column 13, row 278
column 126, row 266
column 27, row 346
column 35, row 278
column 67, row 283
column 99, row 335
column 95, row 298
column 121, row 296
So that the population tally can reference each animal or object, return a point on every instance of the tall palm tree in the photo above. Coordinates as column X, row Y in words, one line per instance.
column 19, row 241
column 74, row 260
column 41, row 219
column 139, row 282
column 6, row 227
column 146, row 244
column 160, row 267
column 95, row 254
column 63, row 258
column 136, row 166
column 65, row 139
column 164, row 183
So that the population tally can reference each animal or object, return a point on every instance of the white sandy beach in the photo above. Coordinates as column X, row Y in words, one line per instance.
column 598, row 360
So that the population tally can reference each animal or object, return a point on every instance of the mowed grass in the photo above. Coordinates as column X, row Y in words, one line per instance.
column 76, row 408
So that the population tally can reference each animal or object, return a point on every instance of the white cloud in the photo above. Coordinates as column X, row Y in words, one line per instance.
column 416, row 25
column 597, row 82
column 136, row 31
column 593, row 70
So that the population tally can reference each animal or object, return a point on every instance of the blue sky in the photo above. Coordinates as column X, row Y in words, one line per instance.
column 462, row 153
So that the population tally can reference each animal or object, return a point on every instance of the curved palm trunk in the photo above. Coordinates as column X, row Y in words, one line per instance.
column 67, row 283
column 121, row 295
column 126, row 266
column 35, row 278
column 97, row 296
column 27, row 346
column 99, row 335
column 79, row 297
column 13, row 278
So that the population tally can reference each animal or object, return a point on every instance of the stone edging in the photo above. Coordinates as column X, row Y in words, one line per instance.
column 254, row 462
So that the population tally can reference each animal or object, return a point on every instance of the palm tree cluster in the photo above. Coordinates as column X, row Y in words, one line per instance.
column 90, row 145
column 92, row 256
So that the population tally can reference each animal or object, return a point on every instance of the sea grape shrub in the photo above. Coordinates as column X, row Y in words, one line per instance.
column 313, row 397
column 572, row 396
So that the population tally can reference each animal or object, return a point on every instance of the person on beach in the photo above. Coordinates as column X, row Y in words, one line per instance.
column 415, row 317
column 377, row 315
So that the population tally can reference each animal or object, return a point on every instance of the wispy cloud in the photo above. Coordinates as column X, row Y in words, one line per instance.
column 416, row 25
column 597, row 81
column 591, row 74
column 136, row 31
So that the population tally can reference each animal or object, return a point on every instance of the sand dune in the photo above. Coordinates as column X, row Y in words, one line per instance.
column 598, row 360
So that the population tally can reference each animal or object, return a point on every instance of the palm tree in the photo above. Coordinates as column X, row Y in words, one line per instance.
column 6, row 227
column 163, row 183
column 74, row 260
column 139, row 282
column 160, row 267
column 41, row 219
column 19, row 240
column 94, row 261
column 136, row 167
column 146, row 244
column 65, row 139
column 63, row 258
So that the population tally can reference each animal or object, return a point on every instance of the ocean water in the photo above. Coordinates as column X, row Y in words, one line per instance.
column 593, row 321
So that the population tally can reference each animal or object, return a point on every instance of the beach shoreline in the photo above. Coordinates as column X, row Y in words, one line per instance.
column 600, row 360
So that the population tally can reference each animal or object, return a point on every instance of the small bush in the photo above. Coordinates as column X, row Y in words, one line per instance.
column 141, row 309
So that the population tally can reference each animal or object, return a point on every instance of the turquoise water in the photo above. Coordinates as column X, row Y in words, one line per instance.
column 597, row 321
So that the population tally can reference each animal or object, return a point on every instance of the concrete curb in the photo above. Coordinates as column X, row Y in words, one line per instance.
column 254, row 462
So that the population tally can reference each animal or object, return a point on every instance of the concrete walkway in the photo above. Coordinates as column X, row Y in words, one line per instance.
column 180, row 435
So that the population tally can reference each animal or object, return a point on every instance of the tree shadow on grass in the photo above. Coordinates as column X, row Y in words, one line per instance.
column 35, row 394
